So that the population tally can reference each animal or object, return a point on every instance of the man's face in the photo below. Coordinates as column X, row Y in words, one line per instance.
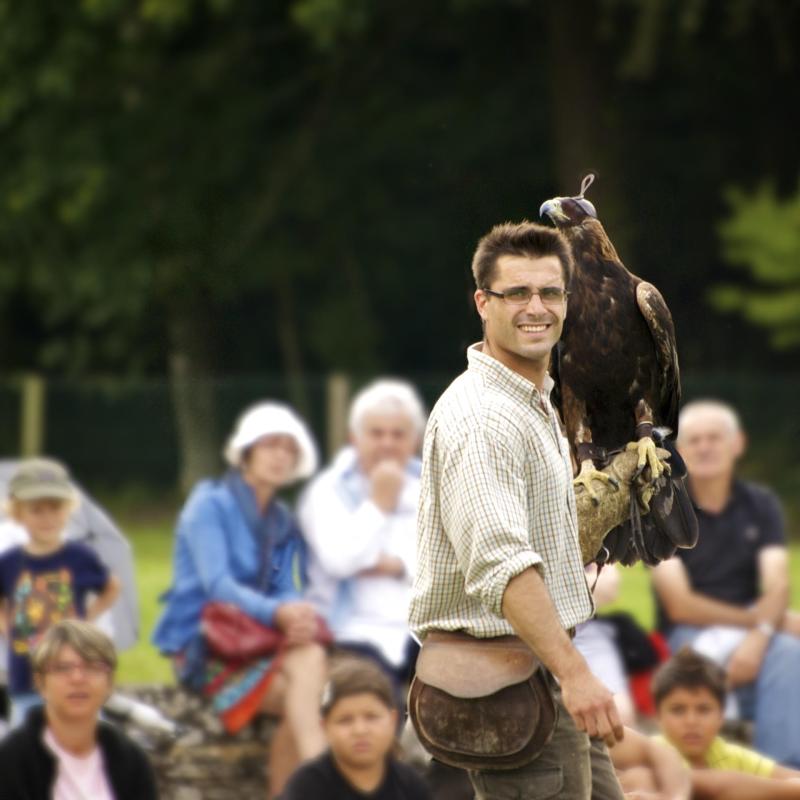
column 74, row 689
column 272, row 459
column 360, row 730
column 690, row 719
column 384, row 437
column 709, row 444
column 522, row 335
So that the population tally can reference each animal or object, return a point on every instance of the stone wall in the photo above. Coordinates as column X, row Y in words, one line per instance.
column 203, row 762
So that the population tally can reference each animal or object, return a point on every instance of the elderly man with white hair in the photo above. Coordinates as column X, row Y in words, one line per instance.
column 358, row 517
column 729, row 596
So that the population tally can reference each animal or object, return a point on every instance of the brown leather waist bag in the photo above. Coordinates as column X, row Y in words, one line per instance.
column 481, row 703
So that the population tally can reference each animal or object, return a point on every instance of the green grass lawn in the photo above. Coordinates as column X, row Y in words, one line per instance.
column 152, row 545
column 636, row 597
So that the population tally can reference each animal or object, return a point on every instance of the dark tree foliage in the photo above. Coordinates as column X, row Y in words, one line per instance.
column 313, row 176
column 196, row 187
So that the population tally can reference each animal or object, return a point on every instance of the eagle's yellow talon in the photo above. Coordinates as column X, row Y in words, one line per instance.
column 588, row 474
column 646, row 448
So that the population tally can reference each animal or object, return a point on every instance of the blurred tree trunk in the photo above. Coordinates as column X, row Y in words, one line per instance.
column 288, row 335
column 584, row 134
column 191, row 349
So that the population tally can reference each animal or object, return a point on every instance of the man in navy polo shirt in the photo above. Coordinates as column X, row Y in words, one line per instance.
column 729, row 596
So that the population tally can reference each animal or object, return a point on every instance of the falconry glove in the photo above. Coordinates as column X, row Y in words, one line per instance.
column 644, row 521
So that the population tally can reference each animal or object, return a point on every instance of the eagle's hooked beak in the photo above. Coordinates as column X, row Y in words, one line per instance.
column 565, row 212
column 552, row 209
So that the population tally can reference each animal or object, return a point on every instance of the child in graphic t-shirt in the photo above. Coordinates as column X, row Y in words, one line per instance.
column 359, row 718
column 46, row 579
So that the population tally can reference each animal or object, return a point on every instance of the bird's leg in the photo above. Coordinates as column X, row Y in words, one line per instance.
column 586, row 451
column 644, row 444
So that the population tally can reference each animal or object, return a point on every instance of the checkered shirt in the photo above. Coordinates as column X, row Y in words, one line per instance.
column 496, row 498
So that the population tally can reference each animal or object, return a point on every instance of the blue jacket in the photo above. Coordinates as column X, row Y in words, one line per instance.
column 217, row 556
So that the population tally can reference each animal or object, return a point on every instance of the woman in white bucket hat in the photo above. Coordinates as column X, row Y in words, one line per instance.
column 237, row 543
column 266, row 421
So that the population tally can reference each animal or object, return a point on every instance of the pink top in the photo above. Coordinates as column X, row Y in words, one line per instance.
column 78, row 778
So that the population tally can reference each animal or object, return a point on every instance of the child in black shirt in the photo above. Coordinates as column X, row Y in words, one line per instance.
column 360, row 719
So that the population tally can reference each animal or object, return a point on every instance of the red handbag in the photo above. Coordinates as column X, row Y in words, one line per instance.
column 235, row 636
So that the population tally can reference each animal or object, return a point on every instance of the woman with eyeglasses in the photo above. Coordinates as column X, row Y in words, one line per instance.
column 63, row 751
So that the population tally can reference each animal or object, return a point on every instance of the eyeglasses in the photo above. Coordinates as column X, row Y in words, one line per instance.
column 521, row 295
column 93, row 669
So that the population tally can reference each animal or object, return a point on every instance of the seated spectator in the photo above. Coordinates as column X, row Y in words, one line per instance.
column 649, row 769
column 689, row 692
column 596, row 640
column 359, row 519
column 63, row 750
column 236, row 543
column 89, row 524
column 736, row 577
column 359, row 719
column 45, row 579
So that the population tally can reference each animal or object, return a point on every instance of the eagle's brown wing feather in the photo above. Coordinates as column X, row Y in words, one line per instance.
column 659, row 320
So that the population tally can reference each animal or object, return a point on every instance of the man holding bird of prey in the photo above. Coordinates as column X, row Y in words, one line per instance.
column 499, row 553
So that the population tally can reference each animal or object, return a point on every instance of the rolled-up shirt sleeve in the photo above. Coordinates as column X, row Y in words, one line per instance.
column 484, row 513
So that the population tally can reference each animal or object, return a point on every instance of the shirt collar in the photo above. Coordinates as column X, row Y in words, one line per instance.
column 499, row 374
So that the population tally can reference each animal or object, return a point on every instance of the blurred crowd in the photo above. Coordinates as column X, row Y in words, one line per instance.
column 333, row 578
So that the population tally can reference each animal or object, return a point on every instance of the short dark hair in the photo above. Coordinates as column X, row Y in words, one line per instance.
column 356, row 676
column 519, row 239
column 688, row 670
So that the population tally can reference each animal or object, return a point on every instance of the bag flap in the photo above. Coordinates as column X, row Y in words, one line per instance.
column 503, row 731
column 464, row 666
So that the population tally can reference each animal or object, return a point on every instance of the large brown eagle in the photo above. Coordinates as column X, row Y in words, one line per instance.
column 616, row 365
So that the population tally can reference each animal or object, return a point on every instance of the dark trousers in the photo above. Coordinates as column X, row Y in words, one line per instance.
column 571, row 767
